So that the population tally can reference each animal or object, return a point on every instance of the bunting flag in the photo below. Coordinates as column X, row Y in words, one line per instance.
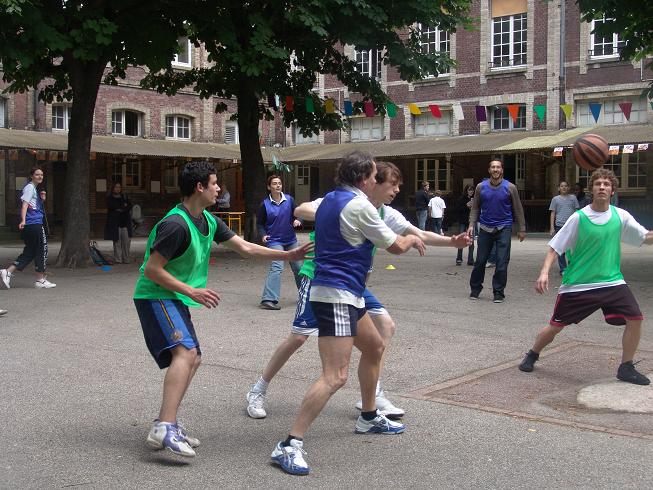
column 629, row 148
column 310, row 106
column 458, row 112
column 272, row 102
column 566, row 108
column 290, row 103
column 613, row 150
column 481, row 113
column 329, row 107
column 435, row 110
column 93, row 155
column 625, row 108
column 13, row 154
column 41, row 155
column 368, row 107
column 391, row 109
column 557, row 151
column 513, row 110
column 64, row 156
column 54, row 156
column 414, row 110
column 642, row 147
column 540, row 111
column 595, row 109
column 349, row 108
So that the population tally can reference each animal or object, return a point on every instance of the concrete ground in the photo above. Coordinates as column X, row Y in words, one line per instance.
column 78, row 389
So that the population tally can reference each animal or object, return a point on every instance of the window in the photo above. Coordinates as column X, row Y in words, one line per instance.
column 630, row 169
column 520, row 171
column 503, row 121
column 366, row 128
column 231, row 136
column 127, row 123
column 127, row 172
column 303, row 175
column 604, row 47
column 61, row 117
column 369, row 62
column 183, row 56
column 435, row 172
column 611, row 112
column 433, row 40
column 509, row 41
column 428, row 125
column 3, row 112
column 170, row 175
column 178, row 127
column 298, row 139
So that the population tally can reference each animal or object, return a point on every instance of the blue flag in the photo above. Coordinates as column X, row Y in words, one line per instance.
column 349, row 108
column 595, row 108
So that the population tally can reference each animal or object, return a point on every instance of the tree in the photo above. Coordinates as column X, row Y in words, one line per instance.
column 259, row 49
column 65, row 50
column 632, row 19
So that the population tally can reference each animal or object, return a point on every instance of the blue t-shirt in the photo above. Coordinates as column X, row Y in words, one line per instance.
column 35, row 212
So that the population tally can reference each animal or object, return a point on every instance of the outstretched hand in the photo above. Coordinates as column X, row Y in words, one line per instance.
column 299, row 253
column 542, row 283
column 418, row 244
column 206, row 297
column 461, row 241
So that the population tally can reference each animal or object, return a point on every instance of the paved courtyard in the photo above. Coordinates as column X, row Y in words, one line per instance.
column 79, row 390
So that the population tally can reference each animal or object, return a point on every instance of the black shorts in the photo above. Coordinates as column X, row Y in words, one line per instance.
column 336, row 319
column 166, row 324
column 617, row 302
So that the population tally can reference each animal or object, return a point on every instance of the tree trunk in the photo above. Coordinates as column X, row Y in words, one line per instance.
column 85, row 81
column 254, row 189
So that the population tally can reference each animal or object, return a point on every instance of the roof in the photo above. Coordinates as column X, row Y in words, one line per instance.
column 499, row 142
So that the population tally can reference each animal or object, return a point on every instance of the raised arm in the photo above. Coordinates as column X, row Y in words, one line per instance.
column 305, row 211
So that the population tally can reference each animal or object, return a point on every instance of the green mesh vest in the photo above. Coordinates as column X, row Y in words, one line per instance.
column 191, row 267
column 596, row 257
column 308, row 269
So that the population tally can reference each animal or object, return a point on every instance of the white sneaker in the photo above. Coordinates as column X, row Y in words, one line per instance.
column 255, row 404
column 378, row 425
column 165, row 435
column 291, row 458
column 155, row 437
column 44, row 284
column 3, row 312
column 5, row 275
column 384, row 406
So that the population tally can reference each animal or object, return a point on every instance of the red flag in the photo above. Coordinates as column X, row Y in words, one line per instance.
column 369, row 108
column 435, row 110
column 290, row 103
column 513, row 109
column 625, row 108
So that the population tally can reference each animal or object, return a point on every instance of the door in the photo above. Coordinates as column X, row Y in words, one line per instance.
column 302, row 183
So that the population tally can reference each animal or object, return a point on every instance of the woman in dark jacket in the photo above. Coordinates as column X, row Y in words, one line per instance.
column 464, row 206
column 119, row 223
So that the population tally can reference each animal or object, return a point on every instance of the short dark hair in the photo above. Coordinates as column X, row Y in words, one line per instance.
column 192, row 173
column 354, row 168
column 33, row 170
column 495, row 159
column 273, row 176
column 386, row 171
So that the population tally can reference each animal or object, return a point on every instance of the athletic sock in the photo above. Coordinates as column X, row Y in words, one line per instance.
column 369, row 415
column 378, row 388
column 286, row 443
column 261, row 386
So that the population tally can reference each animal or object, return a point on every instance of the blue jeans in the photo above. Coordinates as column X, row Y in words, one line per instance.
column 562, row 259
column 272, row 286
column 462, row 227
column 436, row 223
column 500, row 238
column 421, row 218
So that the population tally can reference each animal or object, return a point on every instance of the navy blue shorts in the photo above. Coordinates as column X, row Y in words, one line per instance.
column 304, row 322
column 166, row 324
column 336, row 319
column 373, row 306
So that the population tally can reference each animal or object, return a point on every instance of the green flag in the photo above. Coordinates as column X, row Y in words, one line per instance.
column 540, row 110
column 309, row 104
column 391, row 109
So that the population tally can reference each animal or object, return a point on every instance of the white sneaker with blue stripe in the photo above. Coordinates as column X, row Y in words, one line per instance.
column 378, row 425
column 291, row 458
column 166, row 435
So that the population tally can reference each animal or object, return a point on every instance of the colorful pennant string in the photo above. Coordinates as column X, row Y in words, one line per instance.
column 540, row 111
column 368, row 107
column 414, row 110
column 435, row 110
column 481, row 113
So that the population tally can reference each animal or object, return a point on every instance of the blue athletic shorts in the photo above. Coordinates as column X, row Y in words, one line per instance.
column 166, row 324
column 373, row 305
column 336, row 319
column 304, row 322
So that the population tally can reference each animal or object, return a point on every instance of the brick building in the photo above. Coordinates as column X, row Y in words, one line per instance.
column 521, row 62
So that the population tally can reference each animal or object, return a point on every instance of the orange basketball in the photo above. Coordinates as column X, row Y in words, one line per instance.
column 590, row 151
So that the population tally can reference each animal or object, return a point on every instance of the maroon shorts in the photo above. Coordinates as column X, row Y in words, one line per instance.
column 617, row 302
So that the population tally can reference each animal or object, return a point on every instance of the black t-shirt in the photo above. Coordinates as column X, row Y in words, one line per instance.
column 173, row 236
column 421, row 199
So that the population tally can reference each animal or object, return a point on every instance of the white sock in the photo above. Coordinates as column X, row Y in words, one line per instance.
column 261, row 386
column 379, row 390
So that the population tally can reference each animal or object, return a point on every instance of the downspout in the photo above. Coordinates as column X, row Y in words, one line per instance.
column 562, row 72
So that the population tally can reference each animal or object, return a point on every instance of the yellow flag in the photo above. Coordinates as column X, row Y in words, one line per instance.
column 414, row 110
column 328, row 106
column 566, row 108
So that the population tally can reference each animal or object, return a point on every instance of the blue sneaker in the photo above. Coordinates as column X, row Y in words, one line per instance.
column 291, row 458
column 166, row 435
column 379, row 425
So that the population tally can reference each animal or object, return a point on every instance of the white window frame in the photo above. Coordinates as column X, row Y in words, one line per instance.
column 122, row 122
column 511, row 123
column 596, row 40
column 428, row 125
column 497, row 65
column 176, row 127
column 231, row 133
column 3, row 112
column 303, row 174
column 189, row 52
column 358, row 131
column 65, row 117
column 611, row 113
column 621, row 165
column 520, row 171
column 432, row 170
column 436, row 39
column 299, row 139
column 173, row 173
column 124, row 174
column 366, row 65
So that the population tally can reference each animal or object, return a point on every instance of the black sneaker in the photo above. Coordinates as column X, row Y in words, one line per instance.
column 529, row 361
column 498, row 298
column 459, row 262
column 629, row 374
column 473, row 295
column 269, row 305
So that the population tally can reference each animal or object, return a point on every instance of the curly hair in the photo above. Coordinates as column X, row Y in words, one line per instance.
column 604, row 173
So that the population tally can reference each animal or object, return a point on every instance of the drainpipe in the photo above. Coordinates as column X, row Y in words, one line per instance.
column 562, row 72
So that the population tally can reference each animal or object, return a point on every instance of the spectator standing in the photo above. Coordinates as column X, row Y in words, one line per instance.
column 464, row 207
column 118, row 227
column 495, row 204
column 422, row 198
column 562, row 207
column 436, row 210
column 582, row 198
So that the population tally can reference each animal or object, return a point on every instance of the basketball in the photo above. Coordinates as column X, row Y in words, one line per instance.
column 590, row 151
